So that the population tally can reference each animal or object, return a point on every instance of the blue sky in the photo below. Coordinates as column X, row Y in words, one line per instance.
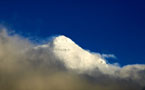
column 116, row 26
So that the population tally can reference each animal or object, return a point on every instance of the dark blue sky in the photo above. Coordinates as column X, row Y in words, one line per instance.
column 104, row 26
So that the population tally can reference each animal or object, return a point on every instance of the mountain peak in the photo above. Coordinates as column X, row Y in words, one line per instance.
column 72, row 55
column 63, row 42
column 59, row 42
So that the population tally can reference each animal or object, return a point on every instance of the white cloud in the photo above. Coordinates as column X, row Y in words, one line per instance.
column 108, row 56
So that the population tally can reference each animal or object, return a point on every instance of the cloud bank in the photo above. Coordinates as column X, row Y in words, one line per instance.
column 61, row 65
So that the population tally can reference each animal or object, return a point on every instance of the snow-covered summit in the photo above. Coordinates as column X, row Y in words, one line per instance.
column 73, row 56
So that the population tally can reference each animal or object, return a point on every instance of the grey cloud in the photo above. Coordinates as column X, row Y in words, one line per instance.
column 61, row 65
